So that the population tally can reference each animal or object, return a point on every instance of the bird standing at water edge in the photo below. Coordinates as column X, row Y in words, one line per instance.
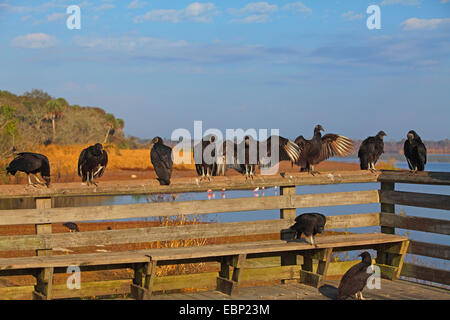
column 162, row 160
column 92, row 163
column 355, row 279
column 31, row 163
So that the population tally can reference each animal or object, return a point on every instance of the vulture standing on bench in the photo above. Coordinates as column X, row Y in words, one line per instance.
column 321, row 148
column 162, row 160
column 370, row 151
column 310, row 224
column 355, row 279
column 415, row 152
column 31, row 163
column 92, row 163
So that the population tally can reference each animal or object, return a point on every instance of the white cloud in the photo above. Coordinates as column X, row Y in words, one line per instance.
column 424, row 24
column 297, row 7
column 196, row 12
column 350, row 15
column 56, row 16
column 106, row 6
column 137, row 4
column 255, row 8
column 255, row 12
column 34, row 41
column 403, row 2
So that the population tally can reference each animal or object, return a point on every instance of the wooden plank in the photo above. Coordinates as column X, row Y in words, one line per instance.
column 429, row 249
column 146, row 210
column 415, row 199
column 138, row 256
column 415, row 223
column 425, row 177
column 167, row 233
column 334, row 199
column 187, row 184
column 426, row 273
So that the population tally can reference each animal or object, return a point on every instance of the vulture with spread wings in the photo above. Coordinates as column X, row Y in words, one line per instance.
column 321, row 148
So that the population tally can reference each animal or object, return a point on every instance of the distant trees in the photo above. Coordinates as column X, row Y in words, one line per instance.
column 8, row 129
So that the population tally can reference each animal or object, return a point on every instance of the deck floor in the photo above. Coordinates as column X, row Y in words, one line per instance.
column 390, row 290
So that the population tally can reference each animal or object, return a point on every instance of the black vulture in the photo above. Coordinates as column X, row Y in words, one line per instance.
column 162, row 160
column 92, row 163
column 71, row 226
column 355, row 279
column 310, row 224
column 31, row 163
column 205, row 158
column 249, row 153
column 320, row 148
column 415, row 152
column 370, row 151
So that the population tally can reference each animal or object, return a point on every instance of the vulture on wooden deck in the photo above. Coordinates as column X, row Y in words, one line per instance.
column 370, row 151
column 355, row 279
column 415, row 152
column 31, row 163
column 162, row 160
column 310, row 224
column 92, row 163
column 321, row 148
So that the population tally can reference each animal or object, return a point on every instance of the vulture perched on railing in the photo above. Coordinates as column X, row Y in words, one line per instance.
column 31, row 163
column 321, row 148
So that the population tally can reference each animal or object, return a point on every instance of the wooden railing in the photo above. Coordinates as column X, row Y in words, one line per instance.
column 43, row 216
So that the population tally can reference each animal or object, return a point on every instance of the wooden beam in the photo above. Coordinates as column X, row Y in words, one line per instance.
column 168, row 233
column 433, row 250
column 415, row 199
column 415, row 223
column 425, row 177
column 146, row 210
column 187, row 184
column 426, row 273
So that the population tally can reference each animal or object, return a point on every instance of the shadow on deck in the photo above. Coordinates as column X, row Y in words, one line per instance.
column 390, row 290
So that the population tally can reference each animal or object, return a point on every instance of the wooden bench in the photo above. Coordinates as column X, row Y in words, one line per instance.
column 231, row 257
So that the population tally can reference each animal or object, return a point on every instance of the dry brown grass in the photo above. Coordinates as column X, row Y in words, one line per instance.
column 64, row 158
column 390, row 164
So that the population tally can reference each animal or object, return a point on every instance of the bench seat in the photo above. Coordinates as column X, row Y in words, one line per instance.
column 231, row 256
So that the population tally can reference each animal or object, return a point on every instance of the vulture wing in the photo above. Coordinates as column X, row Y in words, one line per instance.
column 335, row 145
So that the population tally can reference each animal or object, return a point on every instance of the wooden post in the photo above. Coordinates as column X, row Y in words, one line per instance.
column 307, row 274
column 142, row 289
column 224, row 283
column 384, row 257
column 288, row 259
column 386, row 207
column 44, row 277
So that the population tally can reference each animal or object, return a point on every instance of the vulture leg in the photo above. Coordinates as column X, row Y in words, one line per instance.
column 372, row 167
column 208, row 173
column 92, row 179
column 312, row 171
column 361, row 296
column 98, row 170
column 29, row 181
column 38, row 180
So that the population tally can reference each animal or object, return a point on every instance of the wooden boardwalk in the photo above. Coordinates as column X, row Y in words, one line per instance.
column 390, row 290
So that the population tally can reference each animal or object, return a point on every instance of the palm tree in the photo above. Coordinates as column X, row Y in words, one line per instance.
column 54, row 109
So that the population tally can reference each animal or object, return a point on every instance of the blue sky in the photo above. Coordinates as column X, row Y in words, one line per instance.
column 288, row 65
